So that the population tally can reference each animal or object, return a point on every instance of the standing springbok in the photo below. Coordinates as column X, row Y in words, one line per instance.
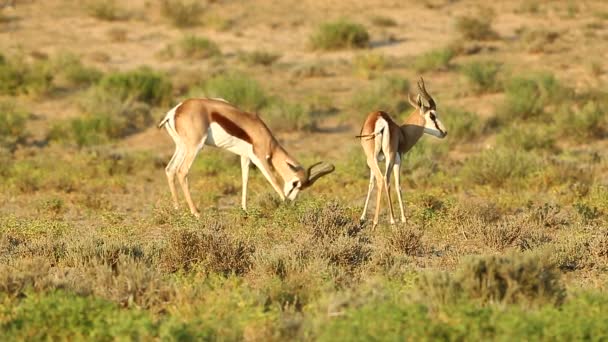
column 215, row 122
column 380, row 134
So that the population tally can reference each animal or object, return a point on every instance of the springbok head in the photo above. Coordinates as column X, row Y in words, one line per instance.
column 305, row 178
column 432, row 125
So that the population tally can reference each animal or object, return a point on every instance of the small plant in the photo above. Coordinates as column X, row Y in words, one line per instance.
column 383, row 21
column 238, row 89
column 529, row 97
column 476, row 28
column 12, row 125
column 192, row 47
column 434, row 60
column 182, row 13
column 368, row 65
column 587, row 123
column 106, row 10
column 259, row 58
column 288, row 117
column 387, row 94
column 527, row 137
column 141, row 84
column 483, row 76
column 71, row 73
column 496, row 167
column 341, row 34
column 463, row 126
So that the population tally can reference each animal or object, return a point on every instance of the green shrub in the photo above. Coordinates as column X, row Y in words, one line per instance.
column 370, row 64
column 288, row 117
column 12, row 125
column 434, row 60
column 259, row 57
column 476, row 28
column 530, row 97
column 341, row 34
column 463, row 126
column 141, row 84
column 529, row 279
column 526, row 137
column 388, row 94
column 106, row 10
column 182, row 13
column 498, row 166
column 237, row 89
column 71, row 73
column 587, row 123
column 192, row 47
column 538, row 40
column 483, row 76
column 383, row 21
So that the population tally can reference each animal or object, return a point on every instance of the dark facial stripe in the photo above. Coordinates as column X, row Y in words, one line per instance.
column 436, row 125
column 230, row 127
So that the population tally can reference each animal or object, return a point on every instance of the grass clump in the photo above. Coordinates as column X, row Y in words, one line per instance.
column 371, row 64
column 483, row 76
column 18, row 77
column 463, row 126
column 259, row 57
column 12, row 125
column 341, row 34
column 143, row 84
column 286, row 116
column 383, row 21
column 495, row 167
column 476, row 28
column 182, row 13
column 526, row 137
column 71, row 73
column 529, row 97
column 587, row 123
column 192, row 47
column 387, row 94
column 106, row 10
column 238, row 89
column 527, row 279
column 434, row 60
column 539, row 40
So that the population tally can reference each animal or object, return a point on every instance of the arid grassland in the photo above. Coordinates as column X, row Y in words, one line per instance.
column 507, row 218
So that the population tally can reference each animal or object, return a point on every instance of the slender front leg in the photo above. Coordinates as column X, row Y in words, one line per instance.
column 369, row 194
column 245, row 161
column 170, row 171
column 396, row 173
column 264, row 166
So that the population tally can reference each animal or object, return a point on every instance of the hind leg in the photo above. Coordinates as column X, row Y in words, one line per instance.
column 182, row 175
column 369, row 194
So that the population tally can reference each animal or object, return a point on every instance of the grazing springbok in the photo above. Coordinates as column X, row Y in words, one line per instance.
column 382, row 138
column 215, row 122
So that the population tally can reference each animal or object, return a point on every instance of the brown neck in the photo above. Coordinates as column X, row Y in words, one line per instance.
column 412, row 129
column 279, row 163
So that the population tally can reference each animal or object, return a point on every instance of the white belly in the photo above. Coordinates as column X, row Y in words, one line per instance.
column 218, row 137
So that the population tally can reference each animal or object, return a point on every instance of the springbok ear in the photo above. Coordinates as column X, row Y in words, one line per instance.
column 419, row 101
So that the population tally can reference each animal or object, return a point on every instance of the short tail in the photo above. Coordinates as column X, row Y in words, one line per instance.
column 162, row 122
column 371, row 135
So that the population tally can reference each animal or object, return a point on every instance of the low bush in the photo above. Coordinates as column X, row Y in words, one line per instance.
column 142, row 84
column 238, row 89
column 13, row 129
column 182, row 13
column 192, row 47
column 496, row 167
column 106, row 10
column 483, row 76
column 476, row 28
column 463, row 126
column 285, row 116
column 435, row 60
column 341, row 34
column 259, row 57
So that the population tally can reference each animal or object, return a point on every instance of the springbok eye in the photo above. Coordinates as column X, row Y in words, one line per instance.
column 432, row 116
column 294, row 184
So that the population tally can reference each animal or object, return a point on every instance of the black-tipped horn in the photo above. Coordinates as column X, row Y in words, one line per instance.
column 425, row 94
column 316, row 171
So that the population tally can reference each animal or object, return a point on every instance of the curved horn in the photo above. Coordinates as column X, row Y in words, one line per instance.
column 313, row 173
column 425, row 94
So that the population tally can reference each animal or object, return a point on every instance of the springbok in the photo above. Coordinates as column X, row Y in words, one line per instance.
column 215, row 122
column 381, row 135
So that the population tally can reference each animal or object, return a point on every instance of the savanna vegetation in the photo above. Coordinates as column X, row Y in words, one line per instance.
column 507, row 218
